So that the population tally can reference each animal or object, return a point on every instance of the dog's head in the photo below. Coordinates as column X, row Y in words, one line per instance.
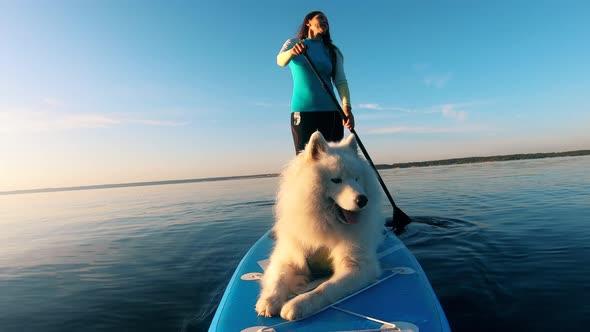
column 342, row 174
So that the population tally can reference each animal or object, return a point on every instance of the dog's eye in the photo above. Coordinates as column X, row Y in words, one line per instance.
column 356, row 179
column 336, row 180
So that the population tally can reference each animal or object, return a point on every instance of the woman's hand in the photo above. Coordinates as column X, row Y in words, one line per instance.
column 349, row 122
column 299, row 49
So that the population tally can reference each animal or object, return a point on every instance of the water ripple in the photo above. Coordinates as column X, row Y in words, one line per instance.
column 504, row 244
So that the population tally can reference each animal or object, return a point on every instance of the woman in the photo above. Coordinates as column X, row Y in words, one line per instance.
column 311, row 107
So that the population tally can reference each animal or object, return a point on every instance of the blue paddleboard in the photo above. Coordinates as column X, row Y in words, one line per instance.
column 401, row 300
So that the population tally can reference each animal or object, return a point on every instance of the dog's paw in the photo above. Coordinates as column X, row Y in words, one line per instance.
column 297, row 308
column 268, row 306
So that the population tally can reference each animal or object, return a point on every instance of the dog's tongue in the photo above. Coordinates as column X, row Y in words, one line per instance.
column 351, row 216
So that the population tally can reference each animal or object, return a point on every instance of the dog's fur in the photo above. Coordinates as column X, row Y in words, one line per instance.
column 327, row 211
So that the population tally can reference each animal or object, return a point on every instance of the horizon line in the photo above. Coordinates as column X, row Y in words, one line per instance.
column 271, row 175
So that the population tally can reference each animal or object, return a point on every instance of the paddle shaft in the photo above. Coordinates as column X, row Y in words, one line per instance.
column 358, row 139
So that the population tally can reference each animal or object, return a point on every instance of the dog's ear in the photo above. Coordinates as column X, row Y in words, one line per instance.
column 351, row 143
column 316, row 146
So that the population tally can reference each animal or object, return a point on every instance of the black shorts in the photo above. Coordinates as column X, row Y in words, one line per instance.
column 303, row 124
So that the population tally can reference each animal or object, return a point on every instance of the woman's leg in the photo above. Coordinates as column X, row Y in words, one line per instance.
column 304, row 124
column 332, row 127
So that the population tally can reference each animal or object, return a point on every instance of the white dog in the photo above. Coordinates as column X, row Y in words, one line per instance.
column 327, row 212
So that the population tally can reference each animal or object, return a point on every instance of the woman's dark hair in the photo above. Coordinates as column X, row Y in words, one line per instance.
column 326, row 38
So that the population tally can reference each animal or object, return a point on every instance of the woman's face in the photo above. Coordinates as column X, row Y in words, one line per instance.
column 318, row 25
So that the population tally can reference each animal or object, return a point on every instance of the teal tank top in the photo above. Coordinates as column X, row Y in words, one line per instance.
column 308, row 93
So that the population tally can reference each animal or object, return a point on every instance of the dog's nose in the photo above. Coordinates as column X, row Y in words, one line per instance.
column 361, row 201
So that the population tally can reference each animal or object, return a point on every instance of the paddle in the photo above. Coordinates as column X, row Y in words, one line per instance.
column 399, row 220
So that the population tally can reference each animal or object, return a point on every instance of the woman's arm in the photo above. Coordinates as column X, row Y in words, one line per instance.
column 286, row 53
column 340, row 80
column 342, row 87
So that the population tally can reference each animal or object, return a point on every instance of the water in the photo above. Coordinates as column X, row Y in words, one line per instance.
column 506, row 247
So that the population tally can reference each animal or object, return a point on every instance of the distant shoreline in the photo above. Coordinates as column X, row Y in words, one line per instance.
column 135, row 184
column 472, row 160
column 443, row 162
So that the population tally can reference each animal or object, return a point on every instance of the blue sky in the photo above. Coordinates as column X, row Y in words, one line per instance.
column 98, row 92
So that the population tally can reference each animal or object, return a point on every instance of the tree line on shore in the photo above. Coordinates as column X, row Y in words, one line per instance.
column 471, row 160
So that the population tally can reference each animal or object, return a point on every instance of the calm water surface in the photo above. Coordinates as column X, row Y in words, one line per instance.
column 506, row 247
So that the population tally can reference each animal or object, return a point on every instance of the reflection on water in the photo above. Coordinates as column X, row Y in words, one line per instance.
column 505, row 245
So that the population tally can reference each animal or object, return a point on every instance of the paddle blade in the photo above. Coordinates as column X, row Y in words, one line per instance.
column 399, row 221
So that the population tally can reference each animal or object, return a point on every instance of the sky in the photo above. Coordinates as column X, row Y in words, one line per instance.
column 102, row 92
